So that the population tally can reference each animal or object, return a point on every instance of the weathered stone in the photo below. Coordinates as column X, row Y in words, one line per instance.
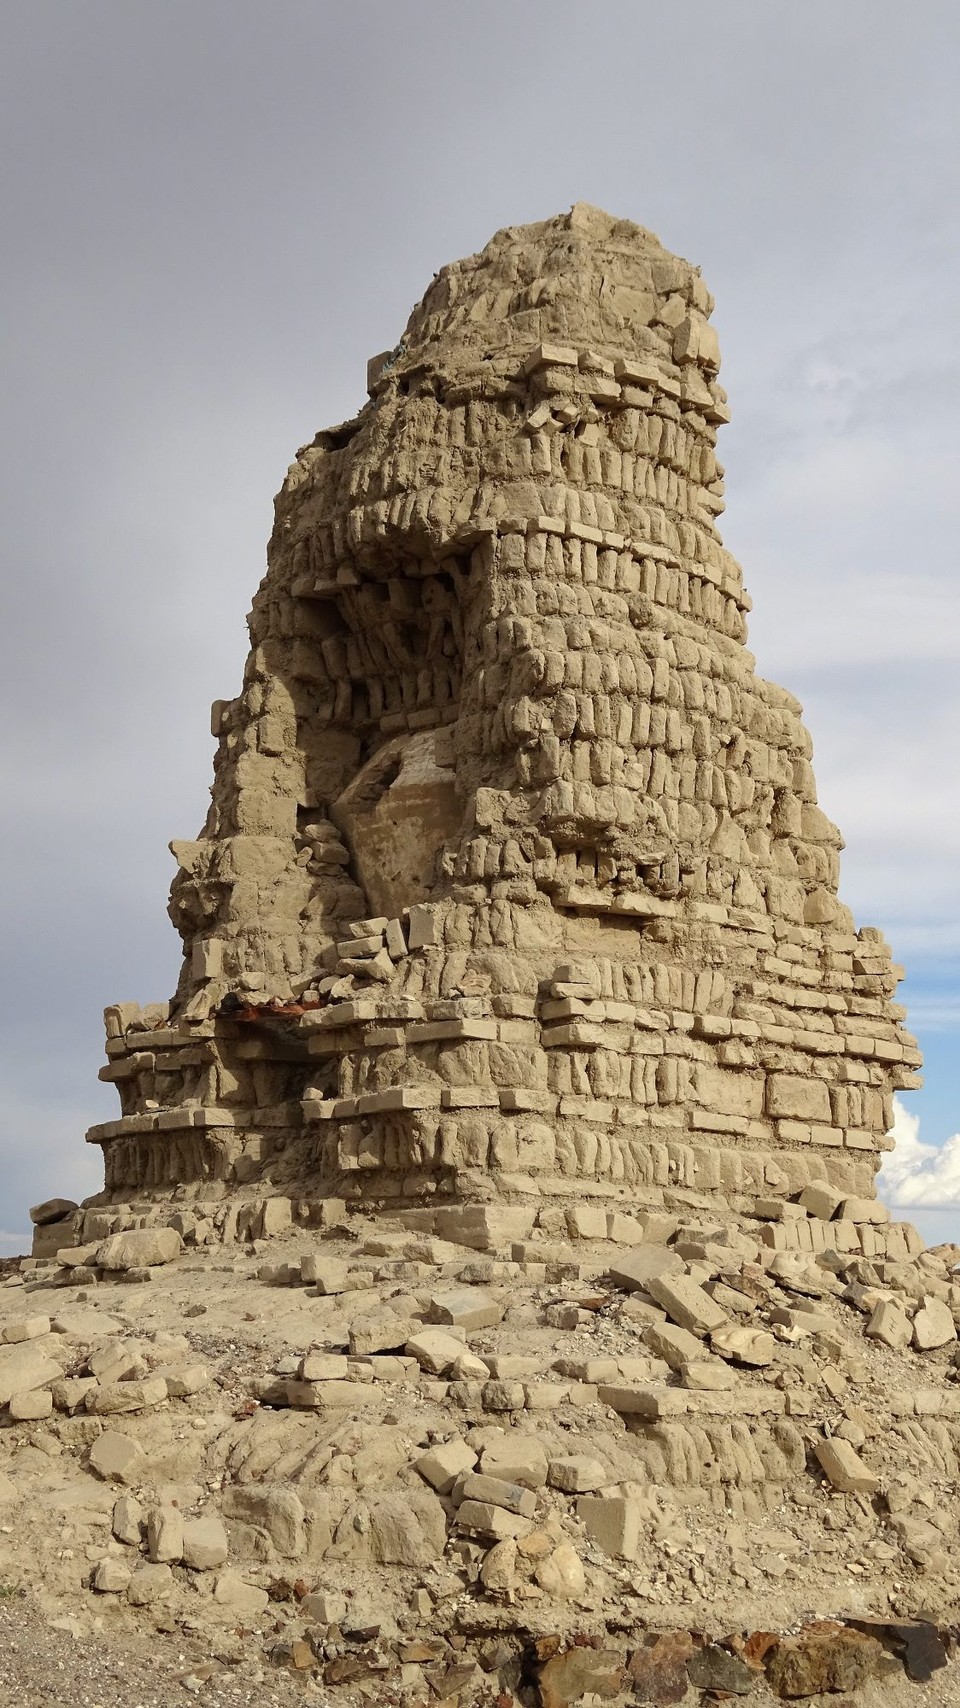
column 24, row 1367
column 635, row 1269
column 687, row 1304
column 676, row 1346
column 435, row 1349
column 516, row 1459
column 246, row 1599
column 707, row 1377
column 52, row 1210
column 561, row 1574
column 576, row 1473
column 818, row 1661
column 487, row 1519
column 116, row 1458
column 139, row 1248
column 165, row 1534
column 843, row 1467
column 714, row 1668
column 578, row 1672
column 127, row 1520
column 24, row 1328
column 150, row 1583
column 204, row 1543
column 110, row 1399
column 466, row 1307
column 613, row 1523
column 889, row 1324
column 70, row 1393
column 381, row 1331
column 821, row 1200
column 513, row 1497
column 112, row 1577
column 31, row 1406
column 328, row 1274
column 408, row 1528
column 658, row 1671
column 498, row 1574
column 324, row 1607
column 444, row 1464
column 750, row 1346
column 278, row 1512
column 933, row 1325
column 324, row 1367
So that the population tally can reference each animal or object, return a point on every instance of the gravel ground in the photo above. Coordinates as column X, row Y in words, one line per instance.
column 43, row 1667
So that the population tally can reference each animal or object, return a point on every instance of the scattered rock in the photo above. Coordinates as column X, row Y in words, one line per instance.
column 116, row 1458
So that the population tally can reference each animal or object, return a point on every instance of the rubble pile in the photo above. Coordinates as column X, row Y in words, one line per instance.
column 616, row 1448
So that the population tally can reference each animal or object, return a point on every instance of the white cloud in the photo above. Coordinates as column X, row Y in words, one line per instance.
column 934, row 1013
column 915, row 1174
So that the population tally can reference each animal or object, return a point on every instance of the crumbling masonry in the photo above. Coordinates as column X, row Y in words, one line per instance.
column 514, row 884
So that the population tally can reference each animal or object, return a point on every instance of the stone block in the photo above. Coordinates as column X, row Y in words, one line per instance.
column 576, row 1473
column 821, row 1199
column 797, row 1098
column 466, row 1307
column 863, row 1210
column 204, row 1543
column 513, row 1497
column 676, row 1346
column 277, row 1511
column 32, row 1406
column 613, row 1523
column 687, row 1304
column 24, row 1367
column 139, row 1248
column 24, row 1328
column 324, row 1367
column 444, row 1464
column 111, row 1399
column 516, row 1458
column 165, row 1534
column 52, row 1210
column 127, row 1520
column 586, row 1221
column 245, row 1599
column 435, row 1349
column 150, row 1583
column 634, row 1270
column 933, row 1325
column 744, row 1345
column 111, row 1577
column 328, row 1274
column 116, row 1459
column 495, row 1522
column 889, row 1324
column 843, row 1467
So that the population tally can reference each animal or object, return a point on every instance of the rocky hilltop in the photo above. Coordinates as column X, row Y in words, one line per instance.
column 489, row 1301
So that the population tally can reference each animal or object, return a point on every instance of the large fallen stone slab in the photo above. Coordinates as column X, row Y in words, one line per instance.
column 139, row 1248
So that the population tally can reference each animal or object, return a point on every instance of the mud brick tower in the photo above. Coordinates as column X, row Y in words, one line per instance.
column 514, row 882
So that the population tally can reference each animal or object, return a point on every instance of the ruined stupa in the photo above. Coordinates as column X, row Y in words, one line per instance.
column 518, row 1008
column 514, row 883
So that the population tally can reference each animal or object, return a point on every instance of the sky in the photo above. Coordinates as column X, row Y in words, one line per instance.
column 213, row 211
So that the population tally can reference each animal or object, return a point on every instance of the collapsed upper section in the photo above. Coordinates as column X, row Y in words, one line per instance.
column 583, row 278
